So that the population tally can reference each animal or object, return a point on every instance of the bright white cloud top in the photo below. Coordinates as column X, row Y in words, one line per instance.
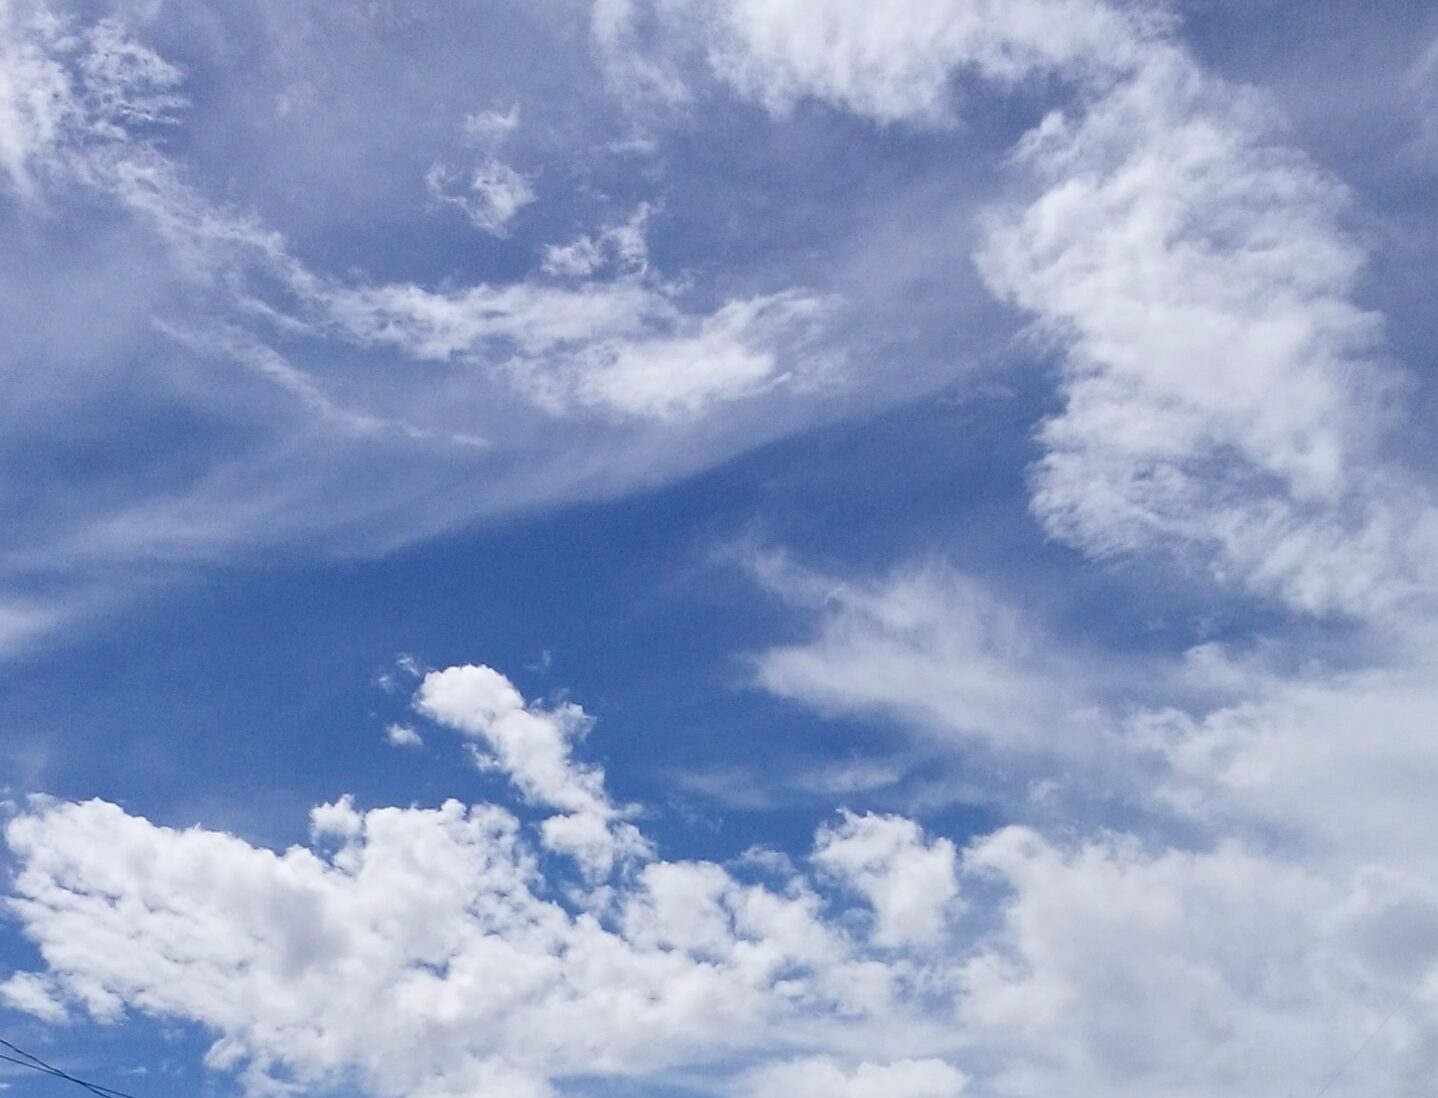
column 1203, row 870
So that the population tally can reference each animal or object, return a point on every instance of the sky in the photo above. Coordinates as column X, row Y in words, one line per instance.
column 719, row 548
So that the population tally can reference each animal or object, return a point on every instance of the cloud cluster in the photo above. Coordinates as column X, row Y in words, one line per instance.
column 1226, row 401
column 1258, row 904
column 1224, row 394
column 1223, row 391
column 432, row 952
column 322, row 398
column 492, row 192
column 532, row 745
column 892, row 66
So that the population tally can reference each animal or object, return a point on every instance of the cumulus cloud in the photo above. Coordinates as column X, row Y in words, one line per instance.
column 1222, row 388
column 911, row 883
column 1291, row 746
column 426, row 951
column 1225, row 394
column 1119, row 970
column 432, row 951
column 402, row 735
column 36, row 995
column 1260, row 908
column 532, row 745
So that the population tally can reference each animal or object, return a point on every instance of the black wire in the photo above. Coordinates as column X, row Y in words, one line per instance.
column 94, row 1088
column 34, row 1063
column 1357, row 1052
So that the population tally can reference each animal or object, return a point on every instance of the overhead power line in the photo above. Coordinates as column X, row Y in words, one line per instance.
column 34, row 1063
column 1357, row 1052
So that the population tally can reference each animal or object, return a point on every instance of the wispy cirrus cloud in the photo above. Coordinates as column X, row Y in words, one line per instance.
column 350, row 390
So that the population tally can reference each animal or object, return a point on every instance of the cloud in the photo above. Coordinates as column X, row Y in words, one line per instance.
column 1422, row 82
column 33, row 93
column 1336, row 760
column 821, row 1077
column 1125, row 944
column 622, row 247
column 490, row 129
column 1222, row 389
column 490, row 194
column 62, row 90
column 622, row 348
column 402, row 735
column 427, row 951
column 322, row 399
column 1247, row 904
column 912, row 884
column 930, row 645
column 1225, row 396
column 1117, row 970
column 894, row 67
column 35, row 995
column 531, row 744
column 433, row 951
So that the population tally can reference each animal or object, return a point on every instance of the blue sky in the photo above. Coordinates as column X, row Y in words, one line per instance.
column 713, row 548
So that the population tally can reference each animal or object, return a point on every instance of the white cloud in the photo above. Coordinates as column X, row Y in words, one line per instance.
column 23, row 624
column 623, row 347
column 338, row 820
column 1232, row 899
column 425, row 954
column 1422, row 82
column 740, row 350
column 34, row 994
column 1338, row 761
column 490, row 194
column 1222, row 389
column 930, row 645
column 62, row 88
column 532, row 745
column 425, row 951
column 621, row 247
column 402, row 735
column 896, row 63
column 34, row 92
column 911, row 883
column 822, row 1077
column 891, row 65
column 1120, row 971
column 386, row 384
column 1224, row 393
column 489, row 129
